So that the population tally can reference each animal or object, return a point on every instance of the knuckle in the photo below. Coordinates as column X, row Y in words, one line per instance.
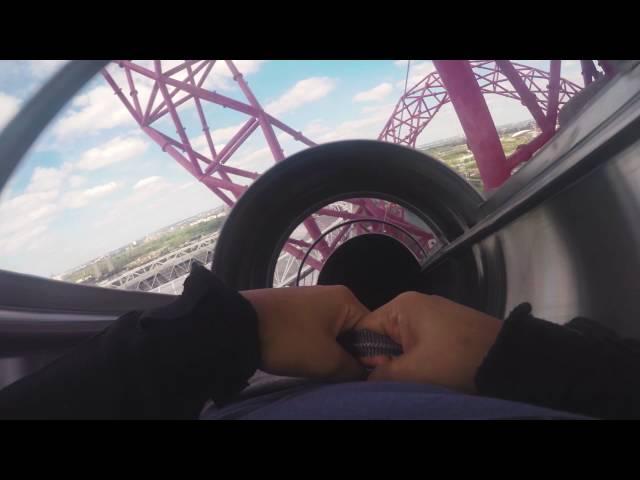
column 437, row 300
column 342, row 291
column 409, row 296
column 346, row 296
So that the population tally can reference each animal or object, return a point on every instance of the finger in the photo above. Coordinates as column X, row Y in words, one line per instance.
column 353, row 313
column 384, row 321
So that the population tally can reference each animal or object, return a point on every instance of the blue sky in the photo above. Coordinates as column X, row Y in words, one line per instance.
column 94, row 182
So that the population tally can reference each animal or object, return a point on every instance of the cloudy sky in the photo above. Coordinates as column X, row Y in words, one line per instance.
column 94, row 182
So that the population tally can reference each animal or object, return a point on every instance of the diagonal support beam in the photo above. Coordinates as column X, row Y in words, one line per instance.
column 527, row 98
column 474, row 115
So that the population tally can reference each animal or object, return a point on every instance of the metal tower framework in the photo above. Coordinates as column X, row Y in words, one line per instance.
column 172, row 89
column 464, row 84
column 461, row 82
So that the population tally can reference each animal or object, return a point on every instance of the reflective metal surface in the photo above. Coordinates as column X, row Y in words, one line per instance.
column 577, row 252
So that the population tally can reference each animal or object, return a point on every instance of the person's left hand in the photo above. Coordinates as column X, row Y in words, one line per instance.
column 298, row 330
column 443, row 342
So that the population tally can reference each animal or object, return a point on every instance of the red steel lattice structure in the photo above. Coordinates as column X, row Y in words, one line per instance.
column 463, row 83
column 169, row 90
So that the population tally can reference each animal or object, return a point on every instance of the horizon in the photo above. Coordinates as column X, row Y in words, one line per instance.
column 93, row 180
column 159, row 230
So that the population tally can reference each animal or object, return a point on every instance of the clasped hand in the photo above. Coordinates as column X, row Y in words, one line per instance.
column 443, row 342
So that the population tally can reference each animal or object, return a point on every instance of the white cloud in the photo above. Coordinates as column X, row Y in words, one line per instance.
column 418, row 70
column 95, row 110
column 220, row 135
column 190, row 184
column 225, row 134
column 76, row 181
column 25, row 210
column 101, row 190
column 247, row 67
column 9, row 106
column 116, row 150
column 446, row 124
column 82, row 198
column 303, row 92
column 100, row 109
column 220, row 76
column 255, row 160
column 25, row 218
column 169, row 64
column 386, row 109
column 140, row 210
column 145, row 182
column 315, row 128
column 48, row 178
column 200, row 145
column 374, row 94
column 367, row 127
column 30, row 221
column 12, row 244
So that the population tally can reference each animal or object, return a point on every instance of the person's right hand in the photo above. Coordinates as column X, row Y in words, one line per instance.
column 443, row 342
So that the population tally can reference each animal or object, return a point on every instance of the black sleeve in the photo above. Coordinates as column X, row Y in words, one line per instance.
column 580, row 367
column 164, row 363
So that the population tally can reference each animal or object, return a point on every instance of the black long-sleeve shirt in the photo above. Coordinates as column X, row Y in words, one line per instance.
column 166, row 363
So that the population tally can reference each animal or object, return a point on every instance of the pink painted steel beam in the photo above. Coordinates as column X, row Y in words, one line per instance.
column 608, row 67
column 554, row 92
column 526, row 151
column 176, row 120
column 296, row 253
column 527, row 98
column 212, row 168
column 418, row 106
column 589, row 71
column 393, row 219
column 215, row 168
column 266, row 127
column 236, row 142
column 475, row 118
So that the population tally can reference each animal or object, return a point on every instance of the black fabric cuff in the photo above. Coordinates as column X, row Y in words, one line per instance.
column 581, row 367
column 533, row 361
column 163, row 363
column 209, row 338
